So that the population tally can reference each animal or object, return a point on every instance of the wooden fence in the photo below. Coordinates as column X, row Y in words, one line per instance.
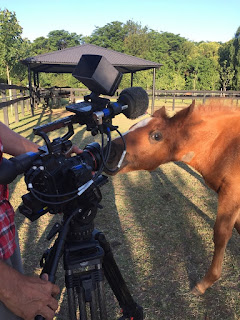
column 12, row 96
column 174, row 96
column 181, row 95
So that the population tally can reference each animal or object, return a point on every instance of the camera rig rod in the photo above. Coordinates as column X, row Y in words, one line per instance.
column 48, row 127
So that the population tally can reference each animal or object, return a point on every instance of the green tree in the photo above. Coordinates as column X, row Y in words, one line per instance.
column 203, row 74
column 173, row 52
column 237, row 34
column 19, row 72
column 10, row 42
column 236, row 60
column 209, row 49
column 61, row 39
column 136, row 41
column 202, row 68
column 226, row 75
column 55, row 40
column 226, row 69
column 40, row 45
column 186, row 65
column 110, row 36
column 137, row 44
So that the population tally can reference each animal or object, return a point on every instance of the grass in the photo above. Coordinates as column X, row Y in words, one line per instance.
column 159, row 225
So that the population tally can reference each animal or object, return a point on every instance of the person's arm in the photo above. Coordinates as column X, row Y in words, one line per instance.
column 13, row 143
column 27, row 296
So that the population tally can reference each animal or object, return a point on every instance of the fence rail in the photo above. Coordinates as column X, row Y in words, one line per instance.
column 181, row 95
column 4, row 86
column 12, row 95
column 74, row 93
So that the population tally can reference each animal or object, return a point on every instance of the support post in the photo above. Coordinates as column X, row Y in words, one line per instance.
column 131, row 79
column 31, row 90
column 153, row 91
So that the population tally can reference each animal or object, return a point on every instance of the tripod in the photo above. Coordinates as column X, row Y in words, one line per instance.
column 87, row 260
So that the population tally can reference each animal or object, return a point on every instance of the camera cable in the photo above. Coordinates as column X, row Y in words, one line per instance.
column 105, row 158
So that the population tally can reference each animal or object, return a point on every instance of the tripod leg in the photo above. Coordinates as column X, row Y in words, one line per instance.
column 71, row 298
column 101, row 297
column 82, row 304
column 93, row 306
column 112, row 273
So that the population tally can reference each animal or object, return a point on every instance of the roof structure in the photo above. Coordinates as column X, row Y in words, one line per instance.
column 65, row 61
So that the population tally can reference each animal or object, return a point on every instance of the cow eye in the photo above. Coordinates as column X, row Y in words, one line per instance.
column 156, row 136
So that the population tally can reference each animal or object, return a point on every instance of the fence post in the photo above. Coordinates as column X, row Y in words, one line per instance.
column 15, row 105
column 27, row 103
column 5, row 109
column 72, row 99
column 173, row 102
column 22, row 103
column 204, row 98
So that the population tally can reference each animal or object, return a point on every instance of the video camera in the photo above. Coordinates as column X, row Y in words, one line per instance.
column 60, row 184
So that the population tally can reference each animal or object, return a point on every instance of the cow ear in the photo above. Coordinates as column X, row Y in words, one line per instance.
column 160, row 113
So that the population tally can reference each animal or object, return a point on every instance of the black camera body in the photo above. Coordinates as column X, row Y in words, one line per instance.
column 56, row 184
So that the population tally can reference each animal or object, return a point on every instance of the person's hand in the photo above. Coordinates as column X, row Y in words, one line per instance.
column 74, row 149
column 28, row 296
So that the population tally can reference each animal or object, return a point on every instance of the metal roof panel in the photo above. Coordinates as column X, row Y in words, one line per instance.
column 64, row 61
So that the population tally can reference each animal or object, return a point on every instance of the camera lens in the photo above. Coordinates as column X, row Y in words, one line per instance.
column 92, row 155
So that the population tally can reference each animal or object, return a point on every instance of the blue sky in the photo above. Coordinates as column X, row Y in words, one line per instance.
column 204, row 20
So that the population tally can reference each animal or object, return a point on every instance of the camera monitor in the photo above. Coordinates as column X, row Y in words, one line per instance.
column 98, row 74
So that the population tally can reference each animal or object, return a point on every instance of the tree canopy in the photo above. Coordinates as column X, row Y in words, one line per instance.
column 186, row 64
column 11, row 43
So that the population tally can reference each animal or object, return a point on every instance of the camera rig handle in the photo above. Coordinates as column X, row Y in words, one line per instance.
column 44, row 129
column 67, row 121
